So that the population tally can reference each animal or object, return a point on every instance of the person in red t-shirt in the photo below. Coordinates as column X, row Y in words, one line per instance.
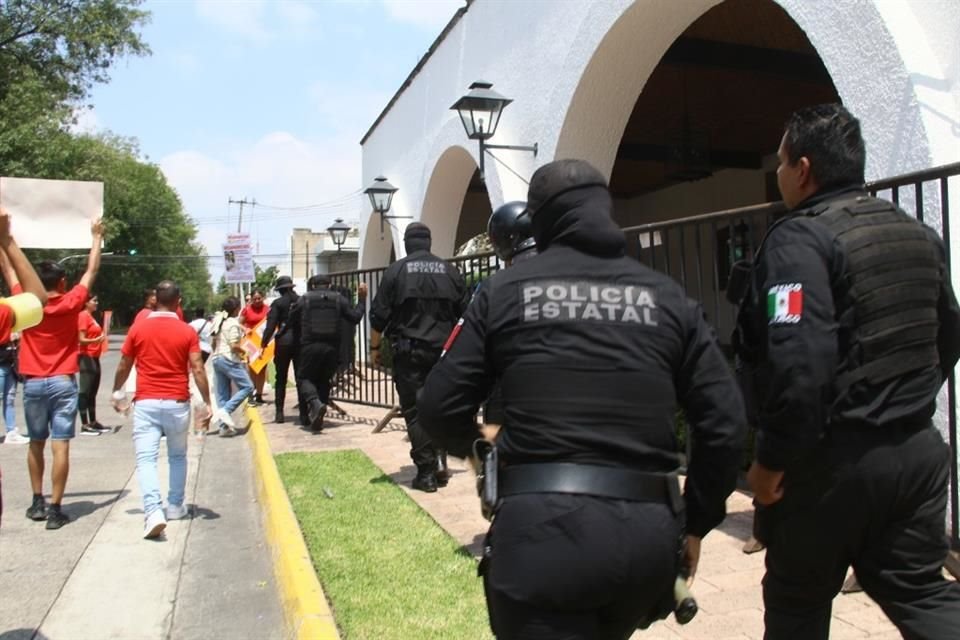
column 24, row 307
column 48, row 362
column 251, row 315
column 165, row 351
column 91, row 337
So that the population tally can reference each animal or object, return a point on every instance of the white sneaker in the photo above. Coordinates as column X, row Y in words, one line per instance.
column 177, row 511
column 14, row 437
column 225, row 418
column 155, row 524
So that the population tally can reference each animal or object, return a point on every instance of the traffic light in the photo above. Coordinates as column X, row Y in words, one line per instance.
column 131, row 252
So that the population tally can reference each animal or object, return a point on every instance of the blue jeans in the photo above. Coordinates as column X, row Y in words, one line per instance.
column 227, row 371
column 50, row 407
column 8, row 385
column 152, row 419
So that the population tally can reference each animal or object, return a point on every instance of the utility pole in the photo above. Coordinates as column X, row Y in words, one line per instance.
column 252, row 203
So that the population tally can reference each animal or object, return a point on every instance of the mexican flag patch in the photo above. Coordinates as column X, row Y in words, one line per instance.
column 785, row 304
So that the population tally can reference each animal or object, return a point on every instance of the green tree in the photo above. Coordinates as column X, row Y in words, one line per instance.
column 51, row 54
column 264, row 278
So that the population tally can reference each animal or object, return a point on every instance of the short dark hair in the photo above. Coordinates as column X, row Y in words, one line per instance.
column 829, row 137
column 168, row 293
column 257, row 292
column 231, row 304
column 51, row 273
column 199, row 313
column 149, row 292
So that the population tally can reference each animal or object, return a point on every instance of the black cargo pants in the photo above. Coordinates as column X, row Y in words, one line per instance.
column 876, row 501
column 283, row 355
column 578, row 567
column 318, row 363
column 410, row 369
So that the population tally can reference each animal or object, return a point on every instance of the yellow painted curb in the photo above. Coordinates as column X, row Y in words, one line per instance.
column 305, row 609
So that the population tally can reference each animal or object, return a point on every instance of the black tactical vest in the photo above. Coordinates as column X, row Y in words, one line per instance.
column 888, row 316
column 320, row 317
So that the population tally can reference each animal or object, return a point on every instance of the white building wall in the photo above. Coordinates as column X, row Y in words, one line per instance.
column 575, row 70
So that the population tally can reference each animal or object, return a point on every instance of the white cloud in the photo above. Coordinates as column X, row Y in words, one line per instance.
column 86, row 121
column 245, row 19
column 429, row 14
column 278, row 169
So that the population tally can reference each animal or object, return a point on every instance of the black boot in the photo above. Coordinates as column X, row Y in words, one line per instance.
column 442, row 473
column 425, row 481
column 317, row 411
column 278, row 414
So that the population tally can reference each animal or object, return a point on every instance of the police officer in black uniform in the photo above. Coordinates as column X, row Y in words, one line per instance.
column 594, row 352
column 419, row 301
column 317, row 320
column 285, row 351
column 845, row 334
column 511, row 236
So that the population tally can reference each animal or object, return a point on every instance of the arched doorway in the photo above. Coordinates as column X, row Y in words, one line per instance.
column 456, row 205
column 703, row 133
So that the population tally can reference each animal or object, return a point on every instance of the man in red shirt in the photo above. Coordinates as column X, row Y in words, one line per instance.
column 164, row 349
column 48, row 362
column 23, row 309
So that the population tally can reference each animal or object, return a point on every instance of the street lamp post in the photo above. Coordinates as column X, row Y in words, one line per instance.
column 338, row 232
column 81, row 255
column 480, row 112
column 381, row 193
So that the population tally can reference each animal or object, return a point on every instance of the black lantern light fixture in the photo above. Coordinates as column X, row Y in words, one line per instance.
column 381, row 193
column 338, row 232
column 480, row 112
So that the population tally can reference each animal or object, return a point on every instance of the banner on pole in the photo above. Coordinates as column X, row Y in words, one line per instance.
column 238, row 258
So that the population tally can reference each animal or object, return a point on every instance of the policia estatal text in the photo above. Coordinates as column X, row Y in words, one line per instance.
column 586, row 538
column 847, row 330
column 417, row 304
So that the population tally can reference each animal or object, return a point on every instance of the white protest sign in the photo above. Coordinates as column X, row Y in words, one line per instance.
column 238, row 258
column 51, row 214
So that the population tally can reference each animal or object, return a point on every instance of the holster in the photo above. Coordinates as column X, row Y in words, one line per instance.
column 486, row 454
column 738, row 281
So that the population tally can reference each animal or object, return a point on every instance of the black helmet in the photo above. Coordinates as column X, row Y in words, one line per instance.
column 283, row 282
column 509, row 230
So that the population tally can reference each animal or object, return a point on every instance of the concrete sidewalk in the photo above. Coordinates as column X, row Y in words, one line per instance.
column 209, row 577
column 727, row 587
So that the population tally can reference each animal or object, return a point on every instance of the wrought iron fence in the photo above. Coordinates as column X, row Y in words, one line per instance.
column 696, row 251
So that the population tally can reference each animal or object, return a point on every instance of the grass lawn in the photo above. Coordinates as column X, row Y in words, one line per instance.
column 390, row 572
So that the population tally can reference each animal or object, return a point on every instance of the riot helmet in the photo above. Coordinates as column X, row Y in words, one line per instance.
column 510, row 230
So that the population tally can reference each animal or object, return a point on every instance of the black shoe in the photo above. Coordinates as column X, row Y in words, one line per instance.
column 258, row 399
column 442, row 474
column 425, row 482
column 37, row 510
column 87, row 430
column 317, row 411
column 56, row 519
column 278, row 417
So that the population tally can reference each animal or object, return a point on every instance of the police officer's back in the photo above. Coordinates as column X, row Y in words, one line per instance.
column 594, row 352
column 419, row 300
column 845, row 335
column 285, row 349
column 318, row 320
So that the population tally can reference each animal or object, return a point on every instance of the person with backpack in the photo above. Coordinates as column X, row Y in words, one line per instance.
column 229, row 365
column 317, row 320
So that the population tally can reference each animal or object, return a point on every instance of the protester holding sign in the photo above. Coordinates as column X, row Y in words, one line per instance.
column 252, row 318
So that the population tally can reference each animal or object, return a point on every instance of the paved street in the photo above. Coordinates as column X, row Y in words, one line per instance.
column 210, row 577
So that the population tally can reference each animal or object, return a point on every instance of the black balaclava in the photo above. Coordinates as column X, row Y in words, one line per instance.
column 569, row 203
column 416, row 237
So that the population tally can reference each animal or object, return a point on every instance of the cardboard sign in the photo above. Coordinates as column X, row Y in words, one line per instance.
column 107, row 319
column 252, row 343
column 51, row 214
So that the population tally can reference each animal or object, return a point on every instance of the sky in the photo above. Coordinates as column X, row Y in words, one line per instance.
column 265, row 100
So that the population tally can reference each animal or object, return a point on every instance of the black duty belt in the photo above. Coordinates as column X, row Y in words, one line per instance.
column 593, row 480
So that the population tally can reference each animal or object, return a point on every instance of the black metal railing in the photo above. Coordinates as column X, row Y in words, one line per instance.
column 696, row 251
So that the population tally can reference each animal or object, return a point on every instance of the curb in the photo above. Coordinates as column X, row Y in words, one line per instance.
column 306, row 613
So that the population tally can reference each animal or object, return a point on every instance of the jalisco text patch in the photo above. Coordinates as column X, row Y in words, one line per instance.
column 785, row 303
column 580, row 300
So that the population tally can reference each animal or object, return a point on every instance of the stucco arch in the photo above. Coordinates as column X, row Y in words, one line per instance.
column 443, row 197
column 870, row 78
column 375, row 250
